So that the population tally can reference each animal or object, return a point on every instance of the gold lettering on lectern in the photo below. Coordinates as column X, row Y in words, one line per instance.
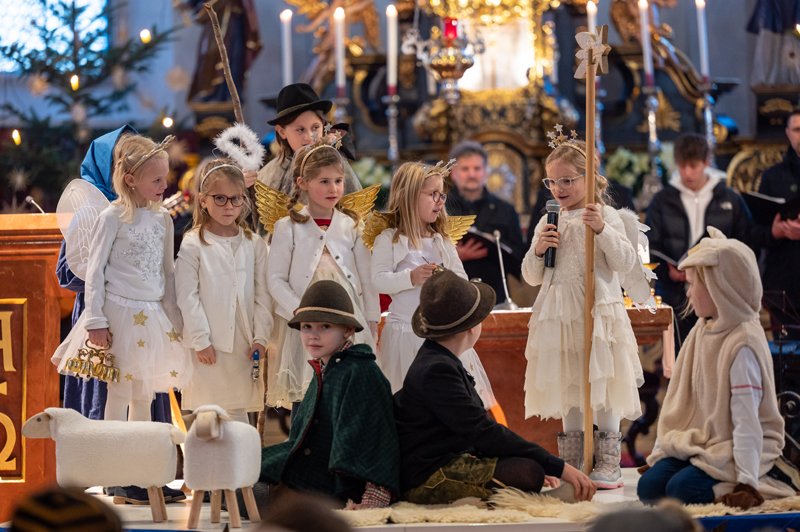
column 6, row 341
column 12, row 388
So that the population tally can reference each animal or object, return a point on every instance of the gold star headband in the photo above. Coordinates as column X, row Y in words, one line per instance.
column 323, row 142
column 161, row 146
column 558, row 138
column 441, row 168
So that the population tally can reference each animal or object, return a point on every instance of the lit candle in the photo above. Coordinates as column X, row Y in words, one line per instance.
column 16, row 137
column 591, row 16
column 647, row 51
column 338, row 19
column 702, row 32
column 75, row 82
column 145, row 36
column 391, row 49
column 286, row 46
column 167, row 122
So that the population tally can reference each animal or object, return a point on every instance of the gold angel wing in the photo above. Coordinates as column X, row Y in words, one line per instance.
column 271, row 204
column 361, row 201
column 375, row 224
column 457, row 226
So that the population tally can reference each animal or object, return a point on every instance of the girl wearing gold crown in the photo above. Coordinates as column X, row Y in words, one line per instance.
column 554, row 375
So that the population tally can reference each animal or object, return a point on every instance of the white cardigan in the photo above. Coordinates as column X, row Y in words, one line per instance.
column 295, row 253
column 210, row 280
column 386, row 255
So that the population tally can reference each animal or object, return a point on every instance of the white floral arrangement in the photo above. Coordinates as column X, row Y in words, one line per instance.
column 370, row 173
column 626, row 167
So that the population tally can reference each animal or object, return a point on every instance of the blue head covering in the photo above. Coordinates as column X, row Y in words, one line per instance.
column 97, row 166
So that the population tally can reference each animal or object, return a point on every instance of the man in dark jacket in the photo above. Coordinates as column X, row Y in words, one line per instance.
column 470, row 196
column 449, row 447
column 695, row 198
column 781, row 240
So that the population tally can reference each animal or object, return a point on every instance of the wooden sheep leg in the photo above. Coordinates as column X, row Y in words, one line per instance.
column 155, row 504
column 163, row 502
column 250, row 504
column 233, row 509
column 194, row 511
column 216, row 505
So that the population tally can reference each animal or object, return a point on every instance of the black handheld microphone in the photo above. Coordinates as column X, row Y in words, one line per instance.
column 552, row 207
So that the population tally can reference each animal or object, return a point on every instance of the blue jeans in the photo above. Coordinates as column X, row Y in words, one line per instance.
column 677, row 479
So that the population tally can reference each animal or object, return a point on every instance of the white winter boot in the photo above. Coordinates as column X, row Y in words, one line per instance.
column 606, row 474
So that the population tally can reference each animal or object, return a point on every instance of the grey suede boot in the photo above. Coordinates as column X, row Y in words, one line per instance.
column 570, row 448
column 606, row 474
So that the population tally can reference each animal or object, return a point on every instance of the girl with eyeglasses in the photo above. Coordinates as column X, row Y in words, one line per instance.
column 221, row 278
column 554, row 375
column 405, row 256
column 320, row 241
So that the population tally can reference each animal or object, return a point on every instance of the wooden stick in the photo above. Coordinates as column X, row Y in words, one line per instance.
column 250, row 503
column 216, row 505
column 194, row 511
column 588, row 323
column 155, row 504
column 233, row 509
column 226, row 65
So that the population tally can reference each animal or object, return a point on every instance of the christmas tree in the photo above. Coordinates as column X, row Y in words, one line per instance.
column 81, row 73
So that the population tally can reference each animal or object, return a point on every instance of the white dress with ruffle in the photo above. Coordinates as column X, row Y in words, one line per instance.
column 554, row 374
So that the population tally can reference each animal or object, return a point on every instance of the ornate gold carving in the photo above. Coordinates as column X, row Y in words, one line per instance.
column 746, row 167
column 667, row 118
column 93, row 362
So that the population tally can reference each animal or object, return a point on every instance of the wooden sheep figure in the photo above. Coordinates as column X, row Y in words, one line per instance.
column 110, row 453
column 221, row 454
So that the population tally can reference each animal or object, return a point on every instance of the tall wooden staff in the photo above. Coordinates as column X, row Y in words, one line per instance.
column 592, row 54
column 237, row 103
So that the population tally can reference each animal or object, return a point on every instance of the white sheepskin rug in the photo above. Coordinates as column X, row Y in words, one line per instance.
column 514, row 506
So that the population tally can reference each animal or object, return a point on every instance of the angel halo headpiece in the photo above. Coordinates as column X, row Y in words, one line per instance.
column 558, row 138
column 441, row 168
column 329, row 139
column 161, row 146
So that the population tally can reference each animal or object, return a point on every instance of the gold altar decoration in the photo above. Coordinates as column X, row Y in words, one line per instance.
column 93, row 362
column 485, row 12
column 745, row 169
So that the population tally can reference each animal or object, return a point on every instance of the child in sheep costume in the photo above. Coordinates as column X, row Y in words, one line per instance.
column 720, row 432
column 343, row 441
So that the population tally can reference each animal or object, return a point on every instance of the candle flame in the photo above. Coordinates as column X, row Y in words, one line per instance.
column 338, row 14
column 167, row 122
column 391, row 11
column 16, row 137
column 145, row 36
column 642, row 4
column 75, row 82
column 700, row 4
column 286, row 15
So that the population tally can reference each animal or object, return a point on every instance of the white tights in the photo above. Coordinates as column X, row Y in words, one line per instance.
column 605, row 420
column 120, row 409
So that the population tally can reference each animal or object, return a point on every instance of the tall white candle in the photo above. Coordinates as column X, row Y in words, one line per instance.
column 286, row 46
column 591, row 15
column 391, row 49
column 647, row 51
column 338, row 19
column 702, row 32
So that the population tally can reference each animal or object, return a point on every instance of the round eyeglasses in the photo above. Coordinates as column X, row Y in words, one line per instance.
column 220, row 200
column 437, row 196
column 562, row 182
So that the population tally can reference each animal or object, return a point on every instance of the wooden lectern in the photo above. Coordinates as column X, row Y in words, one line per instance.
column 30, row 318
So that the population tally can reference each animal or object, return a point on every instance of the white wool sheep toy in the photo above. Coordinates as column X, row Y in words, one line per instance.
column 110, row 453
column 221, row 454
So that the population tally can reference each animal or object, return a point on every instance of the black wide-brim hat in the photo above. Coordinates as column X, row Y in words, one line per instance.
column 298, row 98
column 449, row 304
column 325, row 302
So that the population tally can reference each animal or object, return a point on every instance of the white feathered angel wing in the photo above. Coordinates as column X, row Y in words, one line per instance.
column 78, row 208
column 637, row 281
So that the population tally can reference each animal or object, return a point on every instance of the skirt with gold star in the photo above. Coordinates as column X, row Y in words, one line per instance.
column 146, row 348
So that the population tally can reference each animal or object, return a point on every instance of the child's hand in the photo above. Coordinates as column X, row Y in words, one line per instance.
column 593, row 217
column 584, row 487
column 551, row 482
column 250, row 177
column 548, row 239
column 675, row 274
column 471, row 249
column 100, row 337
column 207, row 356
column 422, row 273
column 262, row 351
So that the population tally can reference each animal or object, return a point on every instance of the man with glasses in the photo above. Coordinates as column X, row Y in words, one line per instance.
column 470, row 196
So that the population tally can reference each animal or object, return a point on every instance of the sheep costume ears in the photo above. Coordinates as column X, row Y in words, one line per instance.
column 206, row 420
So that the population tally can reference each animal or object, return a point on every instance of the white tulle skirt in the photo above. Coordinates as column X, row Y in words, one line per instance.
column 146, row 348
column 398, row 347
column 293, row 373
column 554, row 374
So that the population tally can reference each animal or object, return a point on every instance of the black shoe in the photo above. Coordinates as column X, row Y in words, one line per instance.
column 131, row 495
column 173, row 495
column 109, row 490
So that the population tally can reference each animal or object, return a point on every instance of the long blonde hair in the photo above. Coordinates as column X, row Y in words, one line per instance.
column 406, row 187
column 574, row 152
column 130, row 155
column 208, row 173
column 307, row 164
